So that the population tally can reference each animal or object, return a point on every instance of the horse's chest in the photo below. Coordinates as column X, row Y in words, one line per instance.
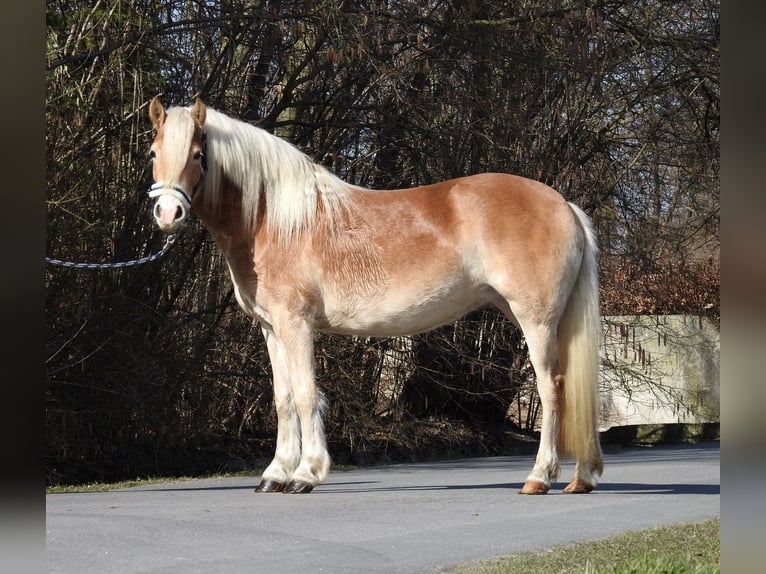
column 247, row 293
column 249, row 304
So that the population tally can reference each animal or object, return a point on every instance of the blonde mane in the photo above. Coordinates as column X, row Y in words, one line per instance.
column 260, row 164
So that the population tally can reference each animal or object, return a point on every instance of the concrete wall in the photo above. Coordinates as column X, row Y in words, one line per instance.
column 658, row 370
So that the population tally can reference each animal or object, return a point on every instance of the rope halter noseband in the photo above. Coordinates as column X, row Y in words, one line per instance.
column 158, row 189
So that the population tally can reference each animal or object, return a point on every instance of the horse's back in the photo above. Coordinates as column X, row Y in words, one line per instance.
column 500, row 203
column 484, row 224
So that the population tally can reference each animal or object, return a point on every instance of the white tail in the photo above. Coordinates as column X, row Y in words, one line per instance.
column 578, row 338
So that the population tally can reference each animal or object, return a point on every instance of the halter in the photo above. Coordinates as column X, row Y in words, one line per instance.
column 159, row 188
column 176, row 191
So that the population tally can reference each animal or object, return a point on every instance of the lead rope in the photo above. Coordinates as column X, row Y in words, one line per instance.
column 118, row 265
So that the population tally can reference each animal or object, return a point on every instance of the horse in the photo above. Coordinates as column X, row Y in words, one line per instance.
column 308, row 252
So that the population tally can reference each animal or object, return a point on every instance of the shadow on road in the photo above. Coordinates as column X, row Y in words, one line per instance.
column 368, row 486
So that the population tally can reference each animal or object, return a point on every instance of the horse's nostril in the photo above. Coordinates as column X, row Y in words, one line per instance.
column 179, row 213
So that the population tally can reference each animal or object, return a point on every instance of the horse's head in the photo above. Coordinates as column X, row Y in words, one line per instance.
column 178, row 161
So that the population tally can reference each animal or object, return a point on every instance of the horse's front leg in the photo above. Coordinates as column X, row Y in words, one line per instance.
column 309, row 404
column 287, row 454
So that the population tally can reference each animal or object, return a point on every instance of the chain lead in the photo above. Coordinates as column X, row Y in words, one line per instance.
column 120, row 264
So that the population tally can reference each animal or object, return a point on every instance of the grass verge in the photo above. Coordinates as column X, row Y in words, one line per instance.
column 679, row 549
column 106, row 486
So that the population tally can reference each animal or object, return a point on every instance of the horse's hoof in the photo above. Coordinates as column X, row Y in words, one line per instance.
column 298, row 487
column 534, row 487
column 270, row 486
column 578, row 486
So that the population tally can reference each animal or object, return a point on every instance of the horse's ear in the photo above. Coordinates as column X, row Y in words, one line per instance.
column 198, row 113
column 157, row 112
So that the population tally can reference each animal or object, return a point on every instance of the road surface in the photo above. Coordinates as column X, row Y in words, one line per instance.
column 407, row 518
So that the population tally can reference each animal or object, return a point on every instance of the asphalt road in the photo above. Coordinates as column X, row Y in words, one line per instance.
column 407, row 518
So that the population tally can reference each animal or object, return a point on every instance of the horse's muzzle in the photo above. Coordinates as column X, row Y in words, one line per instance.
column 171, row 207
column 169, row 213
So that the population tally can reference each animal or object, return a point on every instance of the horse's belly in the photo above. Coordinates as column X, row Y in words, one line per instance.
column 400, row 313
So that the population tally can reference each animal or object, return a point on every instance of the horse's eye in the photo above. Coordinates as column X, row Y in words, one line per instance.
column 152, row 155
column 197, row 155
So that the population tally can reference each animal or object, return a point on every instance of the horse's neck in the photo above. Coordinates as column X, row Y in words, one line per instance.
column 227, row 227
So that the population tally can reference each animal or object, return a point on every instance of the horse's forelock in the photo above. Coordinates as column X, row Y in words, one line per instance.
column 179, row 130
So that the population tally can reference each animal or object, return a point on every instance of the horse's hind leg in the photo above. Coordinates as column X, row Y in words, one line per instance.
column 541, row 341
column 584, row 479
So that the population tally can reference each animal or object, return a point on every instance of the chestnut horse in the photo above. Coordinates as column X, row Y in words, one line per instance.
column 309, row 252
